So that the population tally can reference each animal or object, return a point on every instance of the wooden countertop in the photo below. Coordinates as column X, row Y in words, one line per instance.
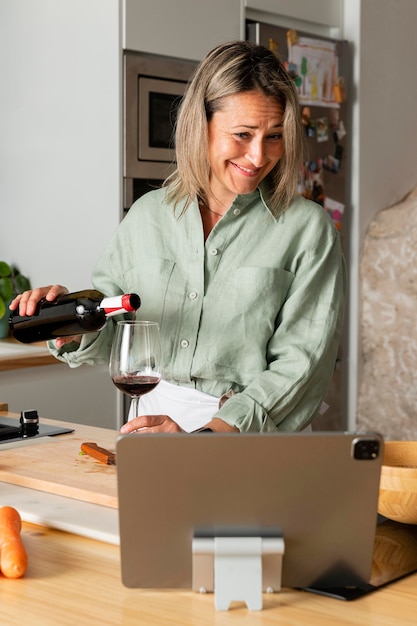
column 15, row 355
column 75, row 580
column 56, row 465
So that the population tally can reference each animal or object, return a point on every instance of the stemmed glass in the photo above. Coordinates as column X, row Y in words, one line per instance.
column 135, row 359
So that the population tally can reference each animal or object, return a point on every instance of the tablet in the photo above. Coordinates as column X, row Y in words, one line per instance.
column 317, row 491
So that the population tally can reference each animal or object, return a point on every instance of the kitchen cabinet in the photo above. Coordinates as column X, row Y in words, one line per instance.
column 85, row 395
column 186, row 29
column 324, row 12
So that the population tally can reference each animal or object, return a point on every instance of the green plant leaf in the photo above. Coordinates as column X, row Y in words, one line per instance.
column 6, row 289
column 2, row 309
column 5, row 269
column 22, row 283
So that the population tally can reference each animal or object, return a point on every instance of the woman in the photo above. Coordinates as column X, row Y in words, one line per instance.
column 245, row 278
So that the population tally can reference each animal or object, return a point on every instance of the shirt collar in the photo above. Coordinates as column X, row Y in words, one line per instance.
column 264, row 191
column 261, row 193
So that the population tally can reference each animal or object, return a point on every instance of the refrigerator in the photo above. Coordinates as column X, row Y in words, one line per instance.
column 320, row 69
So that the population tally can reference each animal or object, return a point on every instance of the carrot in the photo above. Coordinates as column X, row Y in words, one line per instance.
column 13, row 556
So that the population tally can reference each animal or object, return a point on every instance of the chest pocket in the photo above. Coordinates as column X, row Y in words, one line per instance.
column 254, row 293
column 242, row 312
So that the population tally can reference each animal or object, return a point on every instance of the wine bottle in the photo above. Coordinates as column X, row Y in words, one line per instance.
column 74, row 313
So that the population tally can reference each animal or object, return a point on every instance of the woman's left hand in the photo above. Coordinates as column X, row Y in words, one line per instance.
column 151, row 424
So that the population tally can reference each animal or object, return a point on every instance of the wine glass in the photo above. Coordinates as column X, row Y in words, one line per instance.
column 135, row 359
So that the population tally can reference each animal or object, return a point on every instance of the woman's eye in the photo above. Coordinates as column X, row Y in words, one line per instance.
column 275, row 137
column 243, row 135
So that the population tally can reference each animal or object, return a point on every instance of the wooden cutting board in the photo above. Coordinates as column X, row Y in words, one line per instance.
column 55, row 465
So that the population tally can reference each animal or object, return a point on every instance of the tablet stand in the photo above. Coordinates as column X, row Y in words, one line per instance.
column 237, row 568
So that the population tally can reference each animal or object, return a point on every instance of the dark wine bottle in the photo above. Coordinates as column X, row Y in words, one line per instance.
column 74, row 313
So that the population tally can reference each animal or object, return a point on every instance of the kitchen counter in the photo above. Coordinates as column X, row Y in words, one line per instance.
column 15, row 355
column 51, row 483
column 74, row 579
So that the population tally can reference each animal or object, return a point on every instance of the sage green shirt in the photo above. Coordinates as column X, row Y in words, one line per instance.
column 256, row 308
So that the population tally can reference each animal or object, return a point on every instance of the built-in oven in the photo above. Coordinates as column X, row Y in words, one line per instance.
column 153, row 89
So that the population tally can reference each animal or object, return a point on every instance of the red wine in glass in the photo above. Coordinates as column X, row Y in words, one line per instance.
column 136, row 385
column 135, row 359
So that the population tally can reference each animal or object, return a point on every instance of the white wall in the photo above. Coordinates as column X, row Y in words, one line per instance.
column 384, row 150
column 60, row 153
column 388, row 128
column 60, row 172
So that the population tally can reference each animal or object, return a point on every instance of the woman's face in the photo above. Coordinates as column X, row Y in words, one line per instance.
column 245, row 143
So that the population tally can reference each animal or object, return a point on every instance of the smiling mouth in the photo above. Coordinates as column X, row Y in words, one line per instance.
column 246, row 171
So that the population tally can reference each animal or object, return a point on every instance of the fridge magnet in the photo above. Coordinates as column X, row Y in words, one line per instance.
column 340, row 94
column 338, row 152
column 292, row 70
column 334, row 118
column 292, row 37
column 322, row 129
column 317, row 193
column 311, row 129
column 306, row 116
column 311, row 184
column 335, row 209
column 273, row 45
column 307, row 122
column 341, row 131
column 331, row 164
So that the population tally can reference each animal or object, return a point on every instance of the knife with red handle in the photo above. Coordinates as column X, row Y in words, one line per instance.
column 98, row 453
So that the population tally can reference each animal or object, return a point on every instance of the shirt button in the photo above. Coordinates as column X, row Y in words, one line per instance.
column 214, row 252
column 236, row 211
column 184, row 343
column 192, row 295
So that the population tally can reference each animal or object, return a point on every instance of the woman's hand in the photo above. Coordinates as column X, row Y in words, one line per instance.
column 164, row 424
column 151, row 424
column 28, row 301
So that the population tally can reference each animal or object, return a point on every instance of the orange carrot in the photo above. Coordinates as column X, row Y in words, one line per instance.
column 13, row 556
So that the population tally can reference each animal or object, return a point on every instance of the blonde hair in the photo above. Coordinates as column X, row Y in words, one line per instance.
column 232, row 68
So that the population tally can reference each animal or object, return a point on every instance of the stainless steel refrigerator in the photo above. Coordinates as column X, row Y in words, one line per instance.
column 320, row 69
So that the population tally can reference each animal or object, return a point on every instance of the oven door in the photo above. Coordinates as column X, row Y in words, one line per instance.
column 153, row 89
column 159, row 100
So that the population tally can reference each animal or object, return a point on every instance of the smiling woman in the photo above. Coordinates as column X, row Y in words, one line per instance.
column 245, row 278
column 245, row 144
column 229, row 71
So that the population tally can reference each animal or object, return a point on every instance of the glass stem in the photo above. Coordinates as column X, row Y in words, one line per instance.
column 135, row 405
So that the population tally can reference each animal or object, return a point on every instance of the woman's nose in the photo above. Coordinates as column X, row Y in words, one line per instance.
column 256, row 152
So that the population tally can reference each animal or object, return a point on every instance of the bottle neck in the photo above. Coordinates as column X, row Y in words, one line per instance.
column 114, row 305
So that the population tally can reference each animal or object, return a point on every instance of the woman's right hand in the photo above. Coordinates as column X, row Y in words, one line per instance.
column 27, row 303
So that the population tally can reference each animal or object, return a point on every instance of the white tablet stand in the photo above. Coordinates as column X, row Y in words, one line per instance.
column 237, row 568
